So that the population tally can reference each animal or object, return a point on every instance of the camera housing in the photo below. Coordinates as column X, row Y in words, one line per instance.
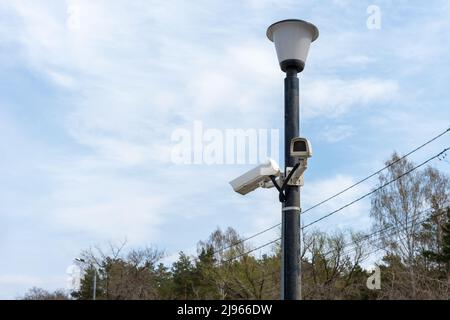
column 301, row 148
column 256, row 177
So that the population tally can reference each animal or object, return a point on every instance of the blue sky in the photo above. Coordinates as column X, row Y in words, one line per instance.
column 87, row 108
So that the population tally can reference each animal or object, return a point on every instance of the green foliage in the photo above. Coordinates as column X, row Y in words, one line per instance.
column 87, row 286
column 439, row 254
column 415, row 264
column 183, row 278
column 445, row 254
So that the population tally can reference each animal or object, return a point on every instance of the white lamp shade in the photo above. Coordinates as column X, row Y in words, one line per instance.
column 292, row 40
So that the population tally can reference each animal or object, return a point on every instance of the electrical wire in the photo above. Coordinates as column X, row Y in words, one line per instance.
column 366, row 237
column 375, row 190
column 360, row 240
column 377, row 172
column 329, row 252
column 337, row 194
column 252, row 250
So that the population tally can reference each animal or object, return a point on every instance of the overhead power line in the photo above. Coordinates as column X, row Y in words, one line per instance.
column 339, row 193
column 367, row 237
column 381, row 230
column 363, row 238
column 375, row 190
column 252, row 250
column 377, row 172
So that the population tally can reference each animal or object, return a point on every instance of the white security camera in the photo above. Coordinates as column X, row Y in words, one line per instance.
column 301, row 148
column 255, row 178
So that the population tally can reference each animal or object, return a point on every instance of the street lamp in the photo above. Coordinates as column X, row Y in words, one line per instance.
column 292, row 39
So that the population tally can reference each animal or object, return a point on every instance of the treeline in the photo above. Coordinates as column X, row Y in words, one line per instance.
column 409, row 242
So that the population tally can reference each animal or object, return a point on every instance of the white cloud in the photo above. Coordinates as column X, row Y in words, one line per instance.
column 122, row 112
column 335, row 97
column 360, row 59
column 116, row 69
column 333, row 134
column 106, row 206
column 61, row 79
column 263, row 4
column 209, row 88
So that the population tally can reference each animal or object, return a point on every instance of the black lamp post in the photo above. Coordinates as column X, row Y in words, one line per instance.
column 292, row 40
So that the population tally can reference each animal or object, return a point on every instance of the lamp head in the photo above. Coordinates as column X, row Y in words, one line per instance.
column 292, row 40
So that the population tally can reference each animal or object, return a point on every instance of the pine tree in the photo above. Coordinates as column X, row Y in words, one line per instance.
column 444, row 257
column 87, row 286
column 182, row 272
column 441, row 253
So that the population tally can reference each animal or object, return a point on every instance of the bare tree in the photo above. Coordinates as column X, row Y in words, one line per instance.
column 236, row 275
column 402, row 206
column 125, row 275
column 331, row 265
column 41, row 294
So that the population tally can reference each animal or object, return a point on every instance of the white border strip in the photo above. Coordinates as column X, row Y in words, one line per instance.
column 291, row 208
